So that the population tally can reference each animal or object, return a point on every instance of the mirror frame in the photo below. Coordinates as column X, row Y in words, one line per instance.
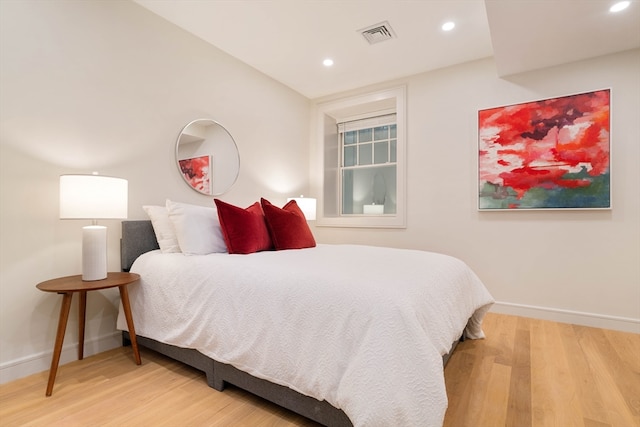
column 212, row 192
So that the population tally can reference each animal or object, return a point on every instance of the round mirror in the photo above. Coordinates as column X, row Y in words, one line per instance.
column 207, row 157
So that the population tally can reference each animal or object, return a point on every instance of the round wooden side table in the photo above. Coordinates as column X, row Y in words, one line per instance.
column 70, row 284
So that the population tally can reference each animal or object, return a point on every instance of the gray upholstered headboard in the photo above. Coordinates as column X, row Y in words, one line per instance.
column 138, row 237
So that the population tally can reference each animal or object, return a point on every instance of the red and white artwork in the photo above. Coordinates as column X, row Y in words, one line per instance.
column 548, row 154
column 197, row 172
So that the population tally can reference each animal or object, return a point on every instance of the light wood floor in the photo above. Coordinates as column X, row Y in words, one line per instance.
column 526, row 373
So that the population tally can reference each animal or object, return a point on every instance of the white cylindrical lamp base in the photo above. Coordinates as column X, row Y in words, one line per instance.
column 94, row 252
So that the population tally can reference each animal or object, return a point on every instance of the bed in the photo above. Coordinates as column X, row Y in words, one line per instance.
column 297, row 328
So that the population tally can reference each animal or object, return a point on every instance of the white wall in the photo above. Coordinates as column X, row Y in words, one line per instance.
column 575, row 266
column 108, row 86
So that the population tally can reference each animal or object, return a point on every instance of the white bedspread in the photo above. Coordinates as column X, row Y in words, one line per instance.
column 362, row 327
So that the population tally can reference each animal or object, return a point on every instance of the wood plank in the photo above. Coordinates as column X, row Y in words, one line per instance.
column 623, row 356
column 458, row 385
column 589, row 395
column 620, row 386
column 496, row 397
column 554, row 393
column 519, row 404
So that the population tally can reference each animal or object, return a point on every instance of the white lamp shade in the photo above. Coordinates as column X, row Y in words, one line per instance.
column 307, row 205
column 93, row 197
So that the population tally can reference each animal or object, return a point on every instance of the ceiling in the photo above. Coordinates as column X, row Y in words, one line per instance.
column 288, row 39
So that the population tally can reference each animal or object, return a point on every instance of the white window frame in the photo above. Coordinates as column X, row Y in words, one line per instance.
column 358, row 107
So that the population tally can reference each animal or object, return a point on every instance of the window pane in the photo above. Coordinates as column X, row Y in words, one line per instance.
column 380, row 152
column 347, row 191
column 349, row 156
column 365, row 135
column 393, row 156
column 381, row 132
column 393, row 131
column 365, row 153
column 367, row 186
column 350, row 137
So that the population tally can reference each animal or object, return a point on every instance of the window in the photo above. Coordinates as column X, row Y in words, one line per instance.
column 363, row 162
column 368, row 165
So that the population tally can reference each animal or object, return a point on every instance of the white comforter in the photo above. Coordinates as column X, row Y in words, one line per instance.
column 361, row 327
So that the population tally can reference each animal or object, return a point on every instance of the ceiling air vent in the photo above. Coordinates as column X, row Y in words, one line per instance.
column 378, row 33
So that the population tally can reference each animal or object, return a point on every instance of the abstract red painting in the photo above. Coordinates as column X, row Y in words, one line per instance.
column 548, row 154
column 197, row 172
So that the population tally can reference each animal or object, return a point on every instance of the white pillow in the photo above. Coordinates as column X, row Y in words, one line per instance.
column 197, row 228
column 163, row 228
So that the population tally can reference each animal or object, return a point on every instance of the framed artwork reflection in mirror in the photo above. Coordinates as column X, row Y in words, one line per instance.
column 197, row 171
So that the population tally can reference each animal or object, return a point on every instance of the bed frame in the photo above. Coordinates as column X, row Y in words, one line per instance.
column 138, row 237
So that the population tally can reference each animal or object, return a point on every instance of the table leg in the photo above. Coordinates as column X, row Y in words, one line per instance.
column 124, row 296
column 82, row 310
column 62, row 326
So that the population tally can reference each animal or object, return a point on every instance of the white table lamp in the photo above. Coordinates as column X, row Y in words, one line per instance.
column 93, row 197
column 307, row 205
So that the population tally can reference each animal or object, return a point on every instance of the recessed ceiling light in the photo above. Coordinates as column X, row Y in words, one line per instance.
column 448, row 26
column 327, row 62
column 621, row 5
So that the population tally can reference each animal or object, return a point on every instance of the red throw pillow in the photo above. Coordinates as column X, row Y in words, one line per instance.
column 244, row 230
column 287, row 226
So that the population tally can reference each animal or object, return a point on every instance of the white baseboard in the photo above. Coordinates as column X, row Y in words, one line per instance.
column 625, row 324
column 25, row 366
